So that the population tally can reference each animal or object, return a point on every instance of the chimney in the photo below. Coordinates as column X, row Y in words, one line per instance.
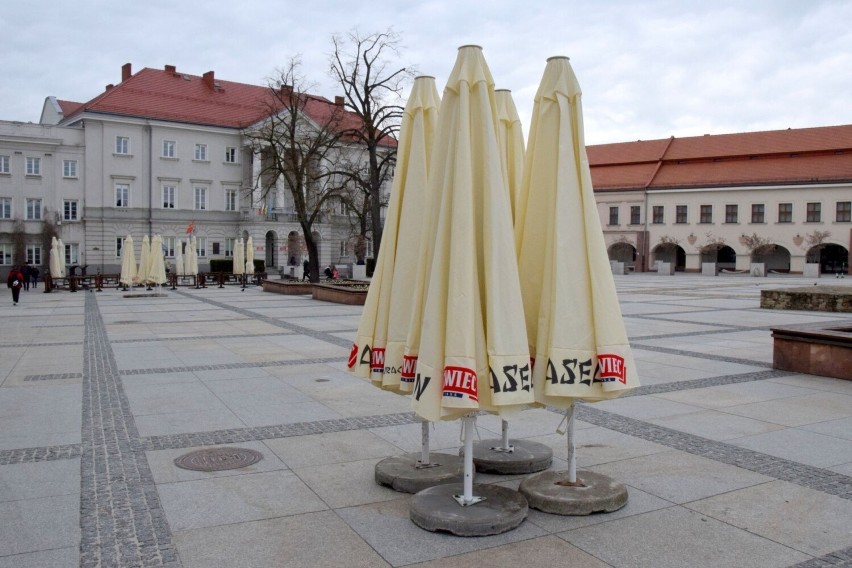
column 286, row 90
column 171, row 69
column 208, row 79
column 109, row 87
column 125, row 72
column 338, row 101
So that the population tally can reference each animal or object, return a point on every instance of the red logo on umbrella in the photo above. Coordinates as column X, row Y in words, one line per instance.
column 612, row 368
column 460, row 382
column 353, row 355
column 409, row 366
column 377, row 363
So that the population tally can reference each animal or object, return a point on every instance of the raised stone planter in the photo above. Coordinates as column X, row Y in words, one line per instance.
column 665, row 268
column 284, row 287
column 709, row 269
column 809, row 298
column 811, row 270
column 616, row 267
column 343, row 293
column 814, row 350
column 758, row 269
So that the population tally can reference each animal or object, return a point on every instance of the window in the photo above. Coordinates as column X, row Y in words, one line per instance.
column 122, row 145
column 844, row 212
column 706, row 214
column 169, row 247
column 119, row 242
column 201, row 198
column 230, row 200
column 72, row 255
column 201, row 152
column 657, row 213
column 5, row 254
column 732, row 213
column 169, row 192
column 229, row 246
column 215, row 248
column 34, row 255
column 69, row 168
column 4, row 165
column 201, row 246
column 168, row 148
column 680, row 214
column 814, row 213
column 613, row 215
column 785, row 212
column 635, row 215
column 69, row 210
column 33, row 209
column 5, row 207
column 33, row 166
column 230, row 155
column 122, row 195
column 757, row 213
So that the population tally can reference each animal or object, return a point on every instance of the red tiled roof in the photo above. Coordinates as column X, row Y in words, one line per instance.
column 179, row 97
column 807, row 155
column 69, row 107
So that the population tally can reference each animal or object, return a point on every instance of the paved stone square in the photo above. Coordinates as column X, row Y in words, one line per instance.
column 727, row 461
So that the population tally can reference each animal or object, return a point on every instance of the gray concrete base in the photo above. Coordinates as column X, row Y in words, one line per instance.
column 527, row 457
column 435, row 509
column 401, row 473
column 595, row 493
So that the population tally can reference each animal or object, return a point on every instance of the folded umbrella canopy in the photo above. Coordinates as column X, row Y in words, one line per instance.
column 511, row 138
column 249, row 256
column 192, row 257
column 179, row 269
column 473, row 352
column 239, row 256
column 60, row 254
column 53, row 262
column 383, row 330
column 144, row 262
column 128, row 262
column 157, row 274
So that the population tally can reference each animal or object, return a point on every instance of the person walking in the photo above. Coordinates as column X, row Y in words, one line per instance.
column 25, row 271
column 34, row 272
column 306, row 269
column 15, row 281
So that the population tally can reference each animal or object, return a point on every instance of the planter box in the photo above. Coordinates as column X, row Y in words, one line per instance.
column 811, row 270
column 359, row 271
column 809, row 298
column 284, row 287
column 339, row 294
column 758, row 269
column 814, row 350
column 617, row 267
column 665, row 268
column 709, row 269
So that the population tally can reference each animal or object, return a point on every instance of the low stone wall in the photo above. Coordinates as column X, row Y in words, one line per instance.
column 339, row 294
column 810, row 298
column 287, row 287
column 814, row 350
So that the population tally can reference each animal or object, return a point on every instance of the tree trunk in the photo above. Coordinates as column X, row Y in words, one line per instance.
column 313, row 257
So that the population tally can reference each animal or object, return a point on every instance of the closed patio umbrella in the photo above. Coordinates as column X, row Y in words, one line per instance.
column 53, row 262
column 128, row 262
column 60, row 254
column 157, row 275
column 511, row 137
column 179, row 268
column 249, row 256
column 192, row 257
column 239, row 263
column 144, row 262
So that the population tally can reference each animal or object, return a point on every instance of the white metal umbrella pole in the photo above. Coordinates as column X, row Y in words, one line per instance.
column 467, row 498
column 424, row 444
column 504, row 442
column 572, row 458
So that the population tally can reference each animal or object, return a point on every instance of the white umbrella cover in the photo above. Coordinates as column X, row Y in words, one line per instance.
column 239, row 256
column 179, row 269
column 192, row 257
column 53, row 261
column 157, row 274
column 60, row 254
column 511, row 135
column 128, row 262
column 144, row 262
column 249, row 256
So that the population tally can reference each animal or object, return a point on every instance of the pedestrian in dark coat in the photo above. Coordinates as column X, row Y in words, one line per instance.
column 15, row 281
column 34, row 272
column 306, row 269
column 25, row 270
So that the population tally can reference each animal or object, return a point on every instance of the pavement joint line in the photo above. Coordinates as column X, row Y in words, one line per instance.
column 122, row 522
column 661, row 388
column 40, row 454
column 53, row 377
column 321, row 335
column 44, row 344
column 782, row 469
column 699, row 355
column 197, row 337
column 227, row 366
column 691, row 322
column 695, row 333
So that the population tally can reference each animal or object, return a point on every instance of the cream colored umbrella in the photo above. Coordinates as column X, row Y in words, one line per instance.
column 157, row 274
column 383, row 330
column 179, row 268
column 53, row 261
column 239, row 263
column 60, row 254
column 144, row 262
column 576, row 332
column 511, row 137
column 249, row 256
column 128, row 262
column 192, row 257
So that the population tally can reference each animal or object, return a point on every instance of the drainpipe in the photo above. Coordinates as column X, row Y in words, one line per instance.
column 150, row 179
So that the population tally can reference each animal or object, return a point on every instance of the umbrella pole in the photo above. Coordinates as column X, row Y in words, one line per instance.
column 424, row 444
column 504, row 442
column 467, row 498
column 572, row 458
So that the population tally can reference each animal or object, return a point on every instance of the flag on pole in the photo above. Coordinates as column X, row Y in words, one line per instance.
column 190, row 228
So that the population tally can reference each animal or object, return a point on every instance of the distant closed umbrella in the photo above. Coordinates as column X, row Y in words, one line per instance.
column 576, row 332
column 179, row 269
column 157, row 275
column 511, row 137
column 249, row 256
column 53, row 262
column 144, row 262
column 384, row 326
column 60, row 254
column 128, row 262
column 192, row 257
column 239, row 256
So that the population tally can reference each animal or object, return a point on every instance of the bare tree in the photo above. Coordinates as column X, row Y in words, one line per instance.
column 299, row 145
column 757, row 246
column 372, row 90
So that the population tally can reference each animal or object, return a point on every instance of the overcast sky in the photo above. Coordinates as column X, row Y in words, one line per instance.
column 648, row 69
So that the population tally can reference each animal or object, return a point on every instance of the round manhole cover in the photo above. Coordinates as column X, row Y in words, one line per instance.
column 218, row 459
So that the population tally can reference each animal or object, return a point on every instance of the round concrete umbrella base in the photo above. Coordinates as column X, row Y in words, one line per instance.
column 594, row 493
column 436, row 509
column 404, row 473
column 526, row 457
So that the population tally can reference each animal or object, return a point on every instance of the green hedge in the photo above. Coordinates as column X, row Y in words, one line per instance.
column 222, row 265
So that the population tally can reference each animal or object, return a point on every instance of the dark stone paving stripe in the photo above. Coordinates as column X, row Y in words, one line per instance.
column 690, row 322
column 238, row 435
column 778, row 468
column 836, row 559
column 121, row 519
column 695, row 333
column 698, row 355
column 706, row 383
column 197, row 337
column 53, row 377
column 40, row 454
column 321, row 335
column 46, row 344
column 225, row 366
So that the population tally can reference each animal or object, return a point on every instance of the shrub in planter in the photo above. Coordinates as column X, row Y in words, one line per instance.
column 222, row 265
column 259, row 266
